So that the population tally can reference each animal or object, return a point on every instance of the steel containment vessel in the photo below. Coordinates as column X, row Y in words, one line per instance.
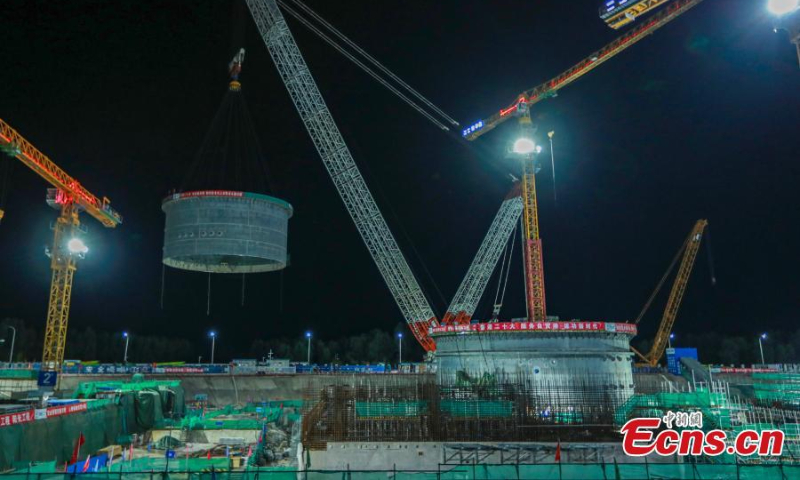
column 565, row 364
column 223, row 231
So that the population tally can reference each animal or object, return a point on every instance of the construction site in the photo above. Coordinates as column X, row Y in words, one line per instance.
column 512, row 390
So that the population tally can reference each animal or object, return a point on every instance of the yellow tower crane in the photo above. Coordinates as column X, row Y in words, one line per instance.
column 70, row 197
column 689, row 250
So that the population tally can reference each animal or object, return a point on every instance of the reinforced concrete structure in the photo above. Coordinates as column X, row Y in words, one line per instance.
column 221, row 231
column 575, row 365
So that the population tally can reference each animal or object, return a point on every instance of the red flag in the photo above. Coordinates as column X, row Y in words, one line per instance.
column 77, row 450
column 558, row 452
column 86, row 463
column 209, row 455
column 249, row 451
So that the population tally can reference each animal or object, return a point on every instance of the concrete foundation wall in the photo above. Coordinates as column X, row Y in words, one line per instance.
column 436, row 455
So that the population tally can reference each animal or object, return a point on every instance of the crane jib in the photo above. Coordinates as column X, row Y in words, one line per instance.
column 550, row 88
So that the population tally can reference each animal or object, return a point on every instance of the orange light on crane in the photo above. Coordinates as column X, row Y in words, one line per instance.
column 70, row 197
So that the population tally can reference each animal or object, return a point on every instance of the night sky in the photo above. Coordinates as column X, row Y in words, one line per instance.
column 698, row 121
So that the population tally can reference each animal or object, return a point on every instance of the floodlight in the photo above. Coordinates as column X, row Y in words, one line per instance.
column 524, row 146
column 76, row 245
column 782, row 7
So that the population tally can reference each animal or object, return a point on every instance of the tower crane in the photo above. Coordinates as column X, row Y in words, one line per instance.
column 70, row 197
column 689, row 250
column 525, row 146
column 551, row 87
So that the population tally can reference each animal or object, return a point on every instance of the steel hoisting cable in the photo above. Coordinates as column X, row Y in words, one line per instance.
column 163, row 275
column 8, row 169
column 243, row 286
column 707, row 233
column 208, row 304
column 661, row 282
column 372, row 60
column 361, row 65
column 508, row 270
column 502, row 268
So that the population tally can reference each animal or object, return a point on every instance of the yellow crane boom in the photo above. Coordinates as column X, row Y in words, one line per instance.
column 551, row 87
column 689, row 248
column 70, row 197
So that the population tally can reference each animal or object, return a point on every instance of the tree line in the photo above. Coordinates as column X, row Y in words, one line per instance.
column 374, row 346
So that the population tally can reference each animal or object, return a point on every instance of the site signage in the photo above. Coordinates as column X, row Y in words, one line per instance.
column 207, row 193
column 17, row 418
column 742, row 370
column 577, row 326
column 66, row 409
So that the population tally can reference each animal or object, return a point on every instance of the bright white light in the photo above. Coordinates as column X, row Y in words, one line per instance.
column 399, row 335
column 212, row 334
column 764, row 336
column 124, row 334
column 308, row 334
column 538, row 149
column 524, row 146
column 782, row 7
column 76, row 245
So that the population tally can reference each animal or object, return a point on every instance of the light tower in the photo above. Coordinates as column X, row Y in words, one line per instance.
column 308, row 356
column 213, row 336
column 127, row 342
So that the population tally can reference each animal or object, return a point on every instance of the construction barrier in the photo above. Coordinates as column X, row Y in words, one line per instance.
column 217, row 469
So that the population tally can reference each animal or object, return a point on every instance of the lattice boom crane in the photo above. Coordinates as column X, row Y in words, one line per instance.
column 689, row 248
column 343, row 170
column 70, row 197
column 472, row 287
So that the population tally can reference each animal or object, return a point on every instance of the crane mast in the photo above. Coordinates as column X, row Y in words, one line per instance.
column 343, row 170
column 532, row 246
column 474, row 283
column 690, row 248
column 70, row 197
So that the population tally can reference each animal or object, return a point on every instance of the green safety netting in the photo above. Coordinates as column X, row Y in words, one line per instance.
column 260, row 413
column 477, row 408
column 715, row 407
column 54, row 439
column 202, row 470
column 391, row 409
column 90, row 389
column 781, row 388
column 18, row 374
